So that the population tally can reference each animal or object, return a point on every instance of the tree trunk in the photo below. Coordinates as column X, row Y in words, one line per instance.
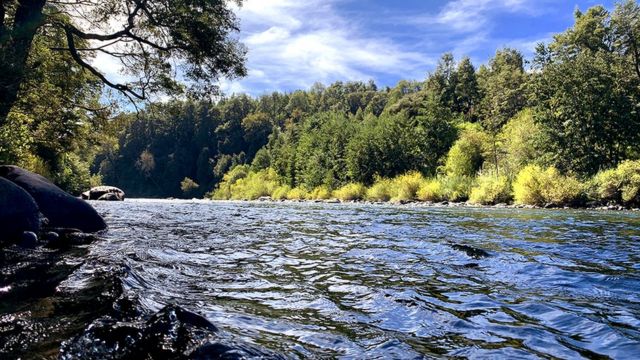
column 15, row 46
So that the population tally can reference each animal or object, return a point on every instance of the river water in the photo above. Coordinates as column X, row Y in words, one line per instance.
column 307, row 280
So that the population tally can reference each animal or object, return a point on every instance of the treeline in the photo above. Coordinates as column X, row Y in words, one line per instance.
column 553, row 131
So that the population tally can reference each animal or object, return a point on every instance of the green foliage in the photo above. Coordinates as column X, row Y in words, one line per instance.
column 297, row 194
column 586, row 91
column 280, row 192
column 543, row 187
column 188, row 186
column 350, row 192
column 393, row 145
column 466, row 156
column 520, row 141
column 456, row 188
column 503, row 84
column 320, row 193
column 406, row 186
column 253, row 186
column 620, row 185
column 490, row 190
column 431, row 190
column 381, row 190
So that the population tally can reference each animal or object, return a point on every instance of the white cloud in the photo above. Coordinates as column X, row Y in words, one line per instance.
column 293, row 44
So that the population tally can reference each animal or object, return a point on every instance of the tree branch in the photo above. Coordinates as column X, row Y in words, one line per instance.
column 124, row 89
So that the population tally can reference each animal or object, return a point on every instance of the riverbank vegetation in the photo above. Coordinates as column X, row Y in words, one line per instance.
column 559, row 129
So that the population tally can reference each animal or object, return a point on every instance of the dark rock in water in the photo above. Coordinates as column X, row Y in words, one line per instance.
column 104, row 193
column 471, row 251
column 18, row 212
column 62, row 209
column 172, row 333
column 51, row 236
column 110, row 197
column 29, row 240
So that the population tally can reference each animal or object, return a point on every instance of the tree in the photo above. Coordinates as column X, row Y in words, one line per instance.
column 586, row 93
column 503, row 87
column 153, row 40
column 466, row 92
column 625, row 23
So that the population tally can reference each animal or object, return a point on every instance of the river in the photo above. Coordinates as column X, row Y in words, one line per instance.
column 308, row 280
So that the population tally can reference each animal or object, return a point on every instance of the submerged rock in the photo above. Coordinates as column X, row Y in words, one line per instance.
column 471, row 251
column 60, row 208
column 104, row 193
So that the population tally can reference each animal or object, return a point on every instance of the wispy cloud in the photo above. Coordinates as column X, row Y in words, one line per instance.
column 293, row 44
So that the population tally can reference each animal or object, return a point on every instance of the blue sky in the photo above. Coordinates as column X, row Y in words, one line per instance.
column 294, row 43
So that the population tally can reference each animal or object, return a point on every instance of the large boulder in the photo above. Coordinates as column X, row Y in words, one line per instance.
column 18, row 212
column 104, row 193
column 61, row 209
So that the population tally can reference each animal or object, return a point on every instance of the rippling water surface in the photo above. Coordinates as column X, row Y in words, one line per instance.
column 358, row 281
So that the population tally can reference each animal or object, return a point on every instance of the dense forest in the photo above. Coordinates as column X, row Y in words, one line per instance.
column 562, row 128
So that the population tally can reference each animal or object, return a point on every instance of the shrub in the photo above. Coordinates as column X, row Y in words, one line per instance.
column 280, row 193
column 406, row 186
column 430, row 190
column 353, row 191
column 519, row 140
column 620, row 185
column 297, row 194
column 537, row 186
column 242, row 184
column 456, row 188
column 188, row 186
column 490, row 190
column 320, row 193
column 467, row 154
column 380, row 191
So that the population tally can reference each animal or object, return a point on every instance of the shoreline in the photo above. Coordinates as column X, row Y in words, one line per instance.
column 404, row 203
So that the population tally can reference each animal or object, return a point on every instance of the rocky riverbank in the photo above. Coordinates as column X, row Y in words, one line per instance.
column 599, row 207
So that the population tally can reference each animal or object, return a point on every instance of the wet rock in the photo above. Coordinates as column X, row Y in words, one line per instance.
column 104, row 193
column 62, row 209
column 471, row 251
column 110, row 197
column 29, row 240
column 172, row 333
column 18, row 212
column 264, row 198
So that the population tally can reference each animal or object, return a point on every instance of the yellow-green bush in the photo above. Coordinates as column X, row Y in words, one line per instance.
column 320, row 193
column 456, row 188
column 467, row 154
column 406, row 186
column 430, row 190
column 280, row 193
column 241, row 184
column 517, row 141
column 353, row 191
column 620, row 185
column 537, row 186
column 297, row 194
column 490, row 190
column 381, row 190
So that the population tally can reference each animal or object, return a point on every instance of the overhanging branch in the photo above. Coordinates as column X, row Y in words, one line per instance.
column 124, row 89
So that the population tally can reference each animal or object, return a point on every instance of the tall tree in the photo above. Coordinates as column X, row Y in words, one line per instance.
column 586, row 92
column 152, row 39
column 467, row 94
